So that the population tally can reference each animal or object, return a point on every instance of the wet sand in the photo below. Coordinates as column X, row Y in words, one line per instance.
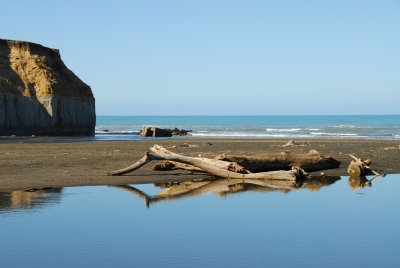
column 36, row 162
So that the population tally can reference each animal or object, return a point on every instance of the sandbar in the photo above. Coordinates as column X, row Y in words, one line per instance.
column 38, row 162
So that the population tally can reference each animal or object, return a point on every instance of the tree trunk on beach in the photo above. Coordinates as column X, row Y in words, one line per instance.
column 219, row 168
column 311, row 161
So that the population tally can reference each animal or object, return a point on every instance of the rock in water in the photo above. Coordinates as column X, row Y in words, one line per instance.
column 39, row 95
column 181, row 132
column 149, row 131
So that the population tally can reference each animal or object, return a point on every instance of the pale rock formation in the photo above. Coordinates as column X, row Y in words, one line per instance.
column 39, row 95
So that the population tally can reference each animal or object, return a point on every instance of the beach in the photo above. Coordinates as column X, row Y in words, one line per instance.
column 37, row 162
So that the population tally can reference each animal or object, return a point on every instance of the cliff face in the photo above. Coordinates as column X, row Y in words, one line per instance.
column 39, row 95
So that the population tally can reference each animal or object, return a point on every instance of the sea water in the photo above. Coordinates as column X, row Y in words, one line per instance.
column 325, row 126
column 338, row 225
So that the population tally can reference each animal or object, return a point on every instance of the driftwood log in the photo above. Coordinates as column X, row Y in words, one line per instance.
column 311, row 161
column 219, row 168
column 173, row 165
column 360, row 168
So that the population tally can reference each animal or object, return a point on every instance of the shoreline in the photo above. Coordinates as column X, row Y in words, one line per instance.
column 28, row 162
column 138, row 138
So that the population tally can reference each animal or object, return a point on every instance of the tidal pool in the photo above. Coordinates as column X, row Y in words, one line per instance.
column 340, row 223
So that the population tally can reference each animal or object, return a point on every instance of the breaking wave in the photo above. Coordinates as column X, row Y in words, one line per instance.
column 291, row 129
column 348, row 126
column 242, row 135
column 331, row 127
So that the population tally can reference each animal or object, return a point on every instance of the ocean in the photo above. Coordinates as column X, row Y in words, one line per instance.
column 321, row 126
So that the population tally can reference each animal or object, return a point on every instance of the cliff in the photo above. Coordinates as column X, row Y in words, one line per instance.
column 39, row 95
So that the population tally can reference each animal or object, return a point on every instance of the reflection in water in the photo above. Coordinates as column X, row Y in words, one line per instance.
column 105, row 227
column 359, row 182
column 224, row 187
column 29, row 199
column 38, row 198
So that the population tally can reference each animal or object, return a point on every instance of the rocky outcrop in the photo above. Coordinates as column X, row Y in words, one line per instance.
column 149, row 131
column 39, row 95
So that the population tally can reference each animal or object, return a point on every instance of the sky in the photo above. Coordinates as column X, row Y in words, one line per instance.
column 221, row 57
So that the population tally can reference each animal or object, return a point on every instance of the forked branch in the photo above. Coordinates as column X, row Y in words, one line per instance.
column 219, row 168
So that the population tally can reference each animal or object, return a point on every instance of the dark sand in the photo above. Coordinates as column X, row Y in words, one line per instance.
column 31, row 163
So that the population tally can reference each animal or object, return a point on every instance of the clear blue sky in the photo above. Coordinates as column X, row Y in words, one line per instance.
column 223, row 57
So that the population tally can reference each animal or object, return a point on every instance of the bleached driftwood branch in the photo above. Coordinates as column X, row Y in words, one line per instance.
column 359, row 168
column 219, row 168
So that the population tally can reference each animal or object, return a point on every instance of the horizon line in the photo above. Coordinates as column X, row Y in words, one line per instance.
column 163, row 115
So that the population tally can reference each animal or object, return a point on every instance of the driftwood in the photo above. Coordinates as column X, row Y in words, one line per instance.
column 311, row 161
column 173, row 165
column 219, row 168
column 360, row 168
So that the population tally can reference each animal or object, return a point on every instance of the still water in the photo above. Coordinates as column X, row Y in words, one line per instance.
column 333, row 223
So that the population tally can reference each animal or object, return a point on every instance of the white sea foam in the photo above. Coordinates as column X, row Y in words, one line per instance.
column 333, row 134
column 283, row 129
column 233, row 134
column 117, row 132
column 291, row 129
column 348, row 126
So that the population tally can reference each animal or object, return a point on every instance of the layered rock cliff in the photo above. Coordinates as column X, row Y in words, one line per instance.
column 39, row 95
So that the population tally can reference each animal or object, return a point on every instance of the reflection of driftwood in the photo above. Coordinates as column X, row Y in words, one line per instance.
column 356, row 182
column 360, row 168
column 311, row 161
column 223, row 187
column 215, row 167
column 316, row 183
column 220, row 186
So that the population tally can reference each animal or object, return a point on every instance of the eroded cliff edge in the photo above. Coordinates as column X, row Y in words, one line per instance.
column 39, row 95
